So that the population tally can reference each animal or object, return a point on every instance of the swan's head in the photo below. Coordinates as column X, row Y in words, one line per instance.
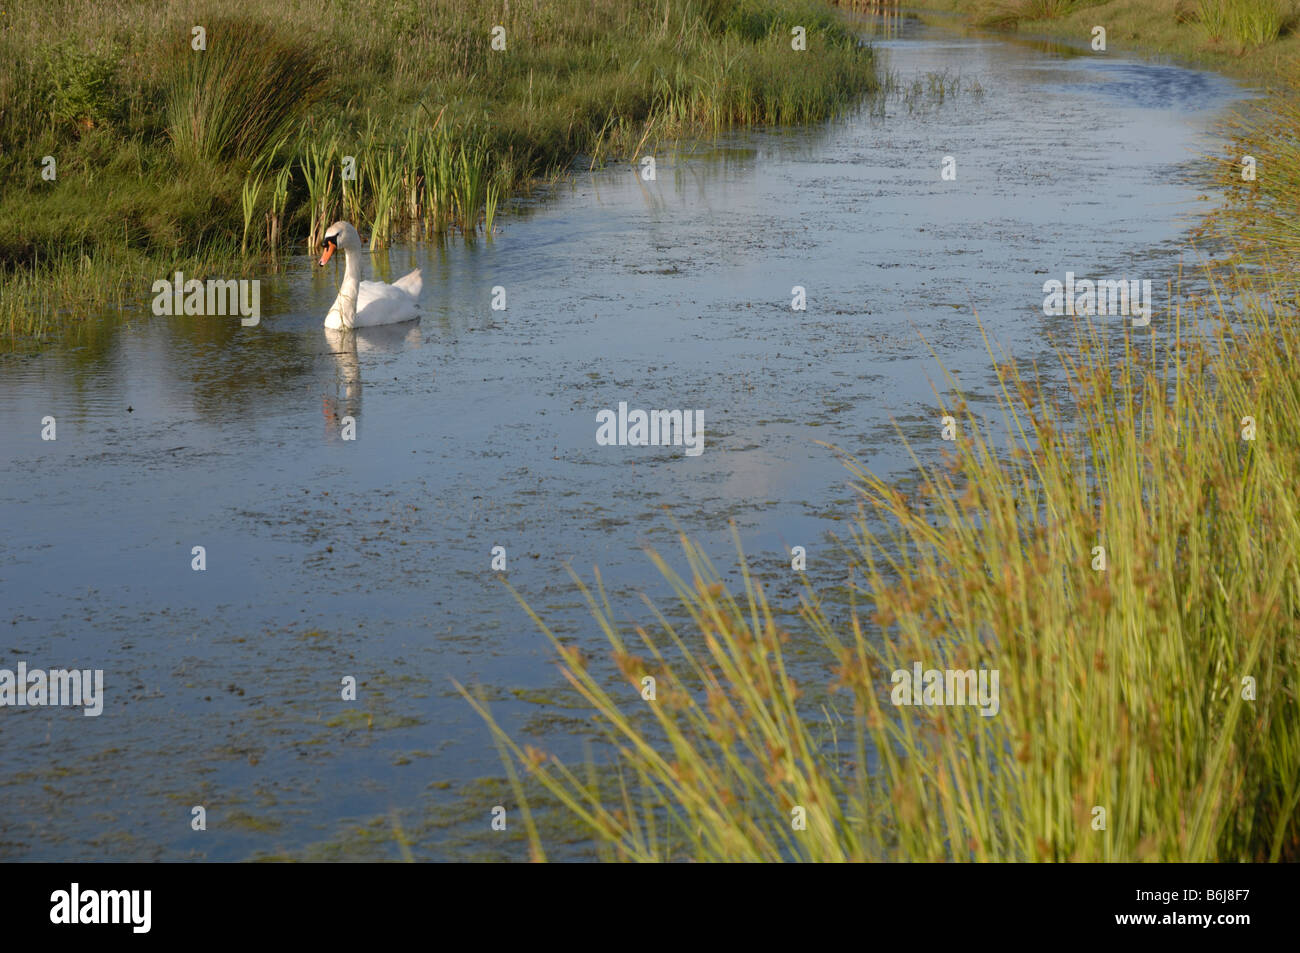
column 340, row 235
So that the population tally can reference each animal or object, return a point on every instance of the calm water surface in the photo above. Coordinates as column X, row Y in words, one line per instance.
column 476, row 428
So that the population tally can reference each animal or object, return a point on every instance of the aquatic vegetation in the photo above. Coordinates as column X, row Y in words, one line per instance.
column 279, row 200
column 248, row 200
column 1260, row 173
column 935, row 88
column 386, row 172
column 1128, row 562
column 318, row 160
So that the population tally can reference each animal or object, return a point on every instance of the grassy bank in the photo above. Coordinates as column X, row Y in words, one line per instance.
column 1128, row 562
column 1148, row 689
column 1255, row 40
column 207, row 160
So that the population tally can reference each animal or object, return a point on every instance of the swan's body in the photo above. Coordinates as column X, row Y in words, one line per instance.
column 363, row 304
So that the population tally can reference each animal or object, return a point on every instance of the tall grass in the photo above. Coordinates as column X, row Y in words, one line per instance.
column 1121, row 688
column 1248, row 23
column 233, row 99
column 1245, row 24
column 1008, row 13
column 1261, row 219
column 386, row 173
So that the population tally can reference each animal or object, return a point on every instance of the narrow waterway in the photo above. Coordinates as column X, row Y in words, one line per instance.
column 328, row 558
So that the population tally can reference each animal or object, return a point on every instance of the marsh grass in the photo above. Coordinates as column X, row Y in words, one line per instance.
column 48, row 297
column 1246, row 23
column 1005, row 14
column 1121, row 688
column 318, row 161
column 1220, row 31
column 444, row 131
column 934, row 89
column 232, row 100
column 1260, row 221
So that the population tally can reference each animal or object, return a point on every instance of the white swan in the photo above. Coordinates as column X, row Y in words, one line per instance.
column 363, row 304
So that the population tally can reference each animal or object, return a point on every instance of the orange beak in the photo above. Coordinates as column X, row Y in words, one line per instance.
column 329, row 250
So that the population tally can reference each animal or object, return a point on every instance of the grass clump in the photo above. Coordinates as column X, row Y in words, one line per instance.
column 240, row 94
column 1007, row 14
column 1248, row 23
column 1260, row 221
column 1160, row 688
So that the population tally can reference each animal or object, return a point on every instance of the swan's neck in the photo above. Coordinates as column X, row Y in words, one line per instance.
column 346, row 303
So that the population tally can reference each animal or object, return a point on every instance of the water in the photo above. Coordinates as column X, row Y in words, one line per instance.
column 476, row 428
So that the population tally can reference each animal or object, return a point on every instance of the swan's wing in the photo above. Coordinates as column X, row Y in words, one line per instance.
column 412, row 284
column 381, row 303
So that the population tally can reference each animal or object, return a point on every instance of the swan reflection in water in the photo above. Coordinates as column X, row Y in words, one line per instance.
column 349, row 349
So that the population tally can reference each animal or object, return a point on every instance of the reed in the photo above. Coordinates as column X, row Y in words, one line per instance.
column 412, row 187
column 435, row 157
column 492, row 195
column 471, row 182
column 248, row 201
column 279, row 202
column 358, row 161
column 318, row 160
column 1123, row 688
column 1213, row 17
column 47, row 300
column 386, row 174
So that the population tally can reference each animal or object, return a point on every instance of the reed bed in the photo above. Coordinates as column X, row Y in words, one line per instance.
column 1158, row 686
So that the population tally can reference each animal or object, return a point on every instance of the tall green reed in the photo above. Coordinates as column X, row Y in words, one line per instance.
column 318, row 160
column 386, row 174
column 248, row 198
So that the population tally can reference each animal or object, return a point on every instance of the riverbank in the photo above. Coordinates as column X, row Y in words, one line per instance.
column 1111, row 579
column 1234, row 37
column 158, row 139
